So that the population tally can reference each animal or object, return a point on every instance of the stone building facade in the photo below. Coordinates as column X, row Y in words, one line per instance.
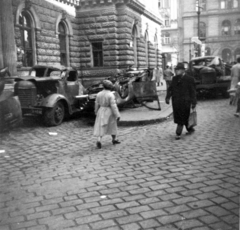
column 98, row 37
column 218, row 25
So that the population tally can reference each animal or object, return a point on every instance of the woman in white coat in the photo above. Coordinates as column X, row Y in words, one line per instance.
column 107, row 114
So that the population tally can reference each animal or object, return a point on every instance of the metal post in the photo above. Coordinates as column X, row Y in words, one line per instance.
column 198, row 13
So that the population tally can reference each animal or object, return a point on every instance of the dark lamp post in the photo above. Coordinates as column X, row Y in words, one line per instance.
column 198, row 9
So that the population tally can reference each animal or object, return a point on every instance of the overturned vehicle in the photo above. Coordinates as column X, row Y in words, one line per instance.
column 134, row 86
column 51, row 92
column 211, row 75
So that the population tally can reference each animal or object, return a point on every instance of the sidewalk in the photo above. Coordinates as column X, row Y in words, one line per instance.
column 142, row 115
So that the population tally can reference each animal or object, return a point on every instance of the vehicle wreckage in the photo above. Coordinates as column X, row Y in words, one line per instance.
column 132, row 87
column 211, row 75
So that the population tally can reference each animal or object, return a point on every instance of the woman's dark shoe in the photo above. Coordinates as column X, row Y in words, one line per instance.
column 99, row 145
column 115, row 142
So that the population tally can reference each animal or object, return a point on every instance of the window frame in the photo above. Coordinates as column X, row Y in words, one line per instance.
column 146, row 40
column 62, row 35
column 224, row 27
column 97, row 54
column 237, row 26
column 26, row 31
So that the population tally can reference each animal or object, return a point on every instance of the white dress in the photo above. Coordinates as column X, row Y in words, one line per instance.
column 107, row 112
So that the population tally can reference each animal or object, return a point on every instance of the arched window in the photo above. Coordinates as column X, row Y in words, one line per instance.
column 134, row 39
column 237, row 27
column 202, row 30
column 236, row 53
column 227, row 55
column 207, row 51
column 226, row 27
column 156, row 49
column 146, row 40
column 63, row 43
column 25, row 48
column 64, row 31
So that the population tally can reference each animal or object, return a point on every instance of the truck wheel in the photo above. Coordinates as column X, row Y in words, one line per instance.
column 54, row 116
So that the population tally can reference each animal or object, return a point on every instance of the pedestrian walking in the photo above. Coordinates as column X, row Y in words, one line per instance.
column 235, row 88
column 157, row 76
column 107, row 114
column 182, row 90
column 167, row 75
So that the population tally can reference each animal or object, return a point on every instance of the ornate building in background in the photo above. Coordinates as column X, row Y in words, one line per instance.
column 217, row 22
column 170, row 40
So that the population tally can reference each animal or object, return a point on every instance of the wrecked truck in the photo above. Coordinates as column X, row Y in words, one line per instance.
column 211, row 75
column 51, row 92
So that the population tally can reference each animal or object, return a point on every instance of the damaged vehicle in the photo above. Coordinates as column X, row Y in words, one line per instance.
column 10, row 108
column 211, row 75
column 123, row 86
column 51, row 92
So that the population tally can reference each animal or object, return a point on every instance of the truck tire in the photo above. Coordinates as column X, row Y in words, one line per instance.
column 54, row 116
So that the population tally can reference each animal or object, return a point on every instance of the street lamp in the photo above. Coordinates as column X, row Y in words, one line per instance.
column 198, row 9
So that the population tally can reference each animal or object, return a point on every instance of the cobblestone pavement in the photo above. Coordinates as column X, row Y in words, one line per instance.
column 150, row 181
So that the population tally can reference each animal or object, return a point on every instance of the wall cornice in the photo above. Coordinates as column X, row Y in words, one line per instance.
column 133, row 4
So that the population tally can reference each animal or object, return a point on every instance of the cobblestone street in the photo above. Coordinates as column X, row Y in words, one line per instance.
column 150, row 181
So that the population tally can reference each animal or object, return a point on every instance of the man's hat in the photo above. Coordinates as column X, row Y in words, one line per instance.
column 180, row 65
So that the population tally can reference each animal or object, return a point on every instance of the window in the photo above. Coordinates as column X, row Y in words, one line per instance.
column 134, row 38
column 62, row 42
column 156, row 49
column 207, row 51
column 167, row 23
column 237, row 27
column 228, row 4
column 226, row 27
column 236, row 53
column 227, row 55
column 97, row 53
column 26, row 43
column 166, row 38
column 202, row 30
column 146, row 47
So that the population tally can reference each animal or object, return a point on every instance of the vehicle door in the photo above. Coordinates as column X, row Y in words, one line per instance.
column 71, row 85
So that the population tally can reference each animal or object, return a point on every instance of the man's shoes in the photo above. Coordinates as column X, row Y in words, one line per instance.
column 178, row 137
column 115, row 142
column 99, row 145
column 190, row 131
column 236, row 114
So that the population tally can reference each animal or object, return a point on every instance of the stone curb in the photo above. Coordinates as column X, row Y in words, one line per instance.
column 142, row 122
column 146, row 121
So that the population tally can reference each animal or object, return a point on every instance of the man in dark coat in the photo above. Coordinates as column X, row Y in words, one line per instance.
column 182, row 90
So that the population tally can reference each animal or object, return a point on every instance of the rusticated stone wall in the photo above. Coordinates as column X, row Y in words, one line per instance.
column 110, row 23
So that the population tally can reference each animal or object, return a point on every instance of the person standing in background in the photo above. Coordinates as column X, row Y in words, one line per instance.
column 158, row 74
column 167, row 75
column 235, row 87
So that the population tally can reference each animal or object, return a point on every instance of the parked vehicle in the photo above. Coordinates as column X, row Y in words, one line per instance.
column 51, row 92
column 210, row 74
column 10, row 108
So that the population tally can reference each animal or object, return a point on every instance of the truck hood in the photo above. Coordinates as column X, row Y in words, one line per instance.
column 38, row 79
